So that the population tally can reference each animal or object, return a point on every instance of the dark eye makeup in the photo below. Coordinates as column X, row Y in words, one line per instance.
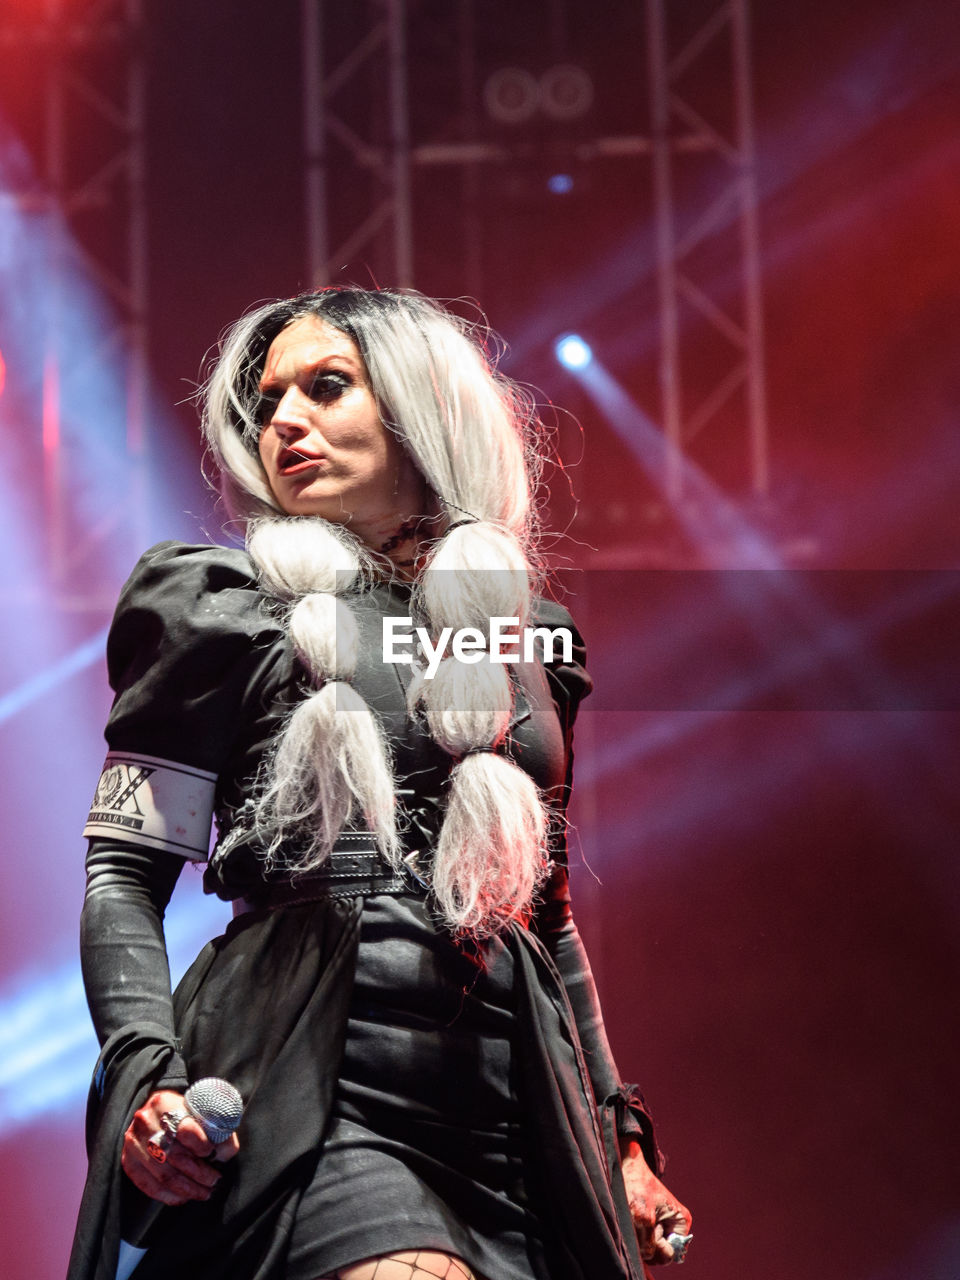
column 328, row 385
column 321, row 387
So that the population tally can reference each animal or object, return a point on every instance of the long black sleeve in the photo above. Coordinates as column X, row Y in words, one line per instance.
column 554, row 923
column 123, row 955
column 557, row 930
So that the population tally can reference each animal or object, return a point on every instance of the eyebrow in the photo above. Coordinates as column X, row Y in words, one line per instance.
column 315, row 366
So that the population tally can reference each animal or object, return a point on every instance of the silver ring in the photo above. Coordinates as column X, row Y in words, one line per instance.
column 679, row 1244
column 157, row 1145
column 170, row 1120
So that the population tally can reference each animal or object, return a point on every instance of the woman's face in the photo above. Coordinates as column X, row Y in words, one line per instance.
column 323, row 446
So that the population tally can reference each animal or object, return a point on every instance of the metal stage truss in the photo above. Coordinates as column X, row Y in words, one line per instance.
column 369, row 131
column 87, row 191
column 86, row 56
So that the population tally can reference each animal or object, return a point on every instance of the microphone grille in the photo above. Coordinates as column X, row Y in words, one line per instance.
column 216, row 1106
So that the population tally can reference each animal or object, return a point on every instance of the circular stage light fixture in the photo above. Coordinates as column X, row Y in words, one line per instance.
column 511, row 95
column 566, row 92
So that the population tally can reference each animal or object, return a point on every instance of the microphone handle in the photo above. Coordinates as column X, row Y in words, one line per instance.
column 139, row 1212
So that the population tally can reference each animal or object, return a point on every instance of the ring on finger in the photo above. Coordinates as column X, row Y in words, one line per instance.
column 679, row 1244
column 159, row 1143
column 171, row 1120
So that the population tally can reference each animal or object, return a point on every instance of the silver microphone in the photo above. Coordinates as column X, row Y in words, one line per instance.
column 216, row 1106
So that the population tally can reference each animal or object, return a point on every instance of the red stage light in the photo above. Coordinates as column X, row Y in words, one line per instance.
column 50, row 413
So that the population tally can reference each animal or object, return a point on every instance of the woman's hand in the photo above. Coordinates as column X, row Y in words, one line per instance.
column 185, row 1174
column 655, row 1212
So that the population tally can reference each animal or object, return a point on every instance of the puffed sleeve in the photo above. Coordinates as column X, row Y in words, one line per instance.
column 565, row 665
column 188, row 635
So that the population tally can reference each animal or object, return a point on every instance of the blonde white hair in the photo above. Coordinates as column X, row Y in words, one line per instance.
column 474, row 438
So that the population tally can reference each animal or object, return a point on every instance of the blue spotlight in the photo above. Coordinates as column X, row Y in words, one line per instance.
column 560, row 184
column 572, row 351
column 86, row 655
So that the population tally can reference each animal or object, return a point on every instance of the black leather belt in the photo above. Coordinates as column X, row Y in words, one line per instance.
column 356, row 867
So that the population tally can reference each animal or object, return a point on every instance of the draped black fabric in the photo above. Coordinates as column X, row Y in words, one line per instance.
column 130, row 1064
column 294, row 970
column 283, row 1054
column 205, row 675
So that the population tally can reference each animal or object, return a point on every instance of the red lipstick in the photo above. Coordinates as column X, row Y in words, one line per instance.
column 292, row 461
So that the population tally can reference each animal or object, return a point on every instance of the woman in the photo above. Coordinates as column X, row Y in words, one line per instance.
column 402, row 998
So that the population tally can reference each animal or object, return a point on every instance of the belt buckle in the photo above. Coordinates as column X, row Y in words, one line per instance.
column 410, row 862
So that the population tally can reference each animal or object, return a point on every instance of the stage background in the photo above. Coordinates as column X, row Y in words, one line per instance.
column 768, row 887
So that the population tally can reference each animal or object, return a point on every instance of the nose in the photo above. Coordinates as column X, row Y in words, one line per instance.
column 288, row 419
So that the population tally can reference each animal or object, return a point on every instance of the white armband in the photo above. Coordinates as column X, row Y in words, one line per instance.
column 158, row 803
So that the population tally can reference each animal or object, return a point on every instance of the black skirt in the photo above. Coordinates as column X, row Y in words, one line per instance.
column 426, row 1146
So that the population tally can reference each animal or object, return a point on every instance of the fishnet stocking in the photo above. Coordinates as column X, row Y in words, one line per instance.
column 411, row 1264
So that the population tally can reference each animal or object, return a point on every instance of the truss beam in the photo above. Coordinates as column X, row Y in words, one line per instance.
column 90, row 164
column 678, row 128
column 681, row 36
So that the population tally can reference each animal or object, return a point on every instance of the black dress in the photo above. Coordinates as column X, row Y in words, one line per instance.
column 402, row 1090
